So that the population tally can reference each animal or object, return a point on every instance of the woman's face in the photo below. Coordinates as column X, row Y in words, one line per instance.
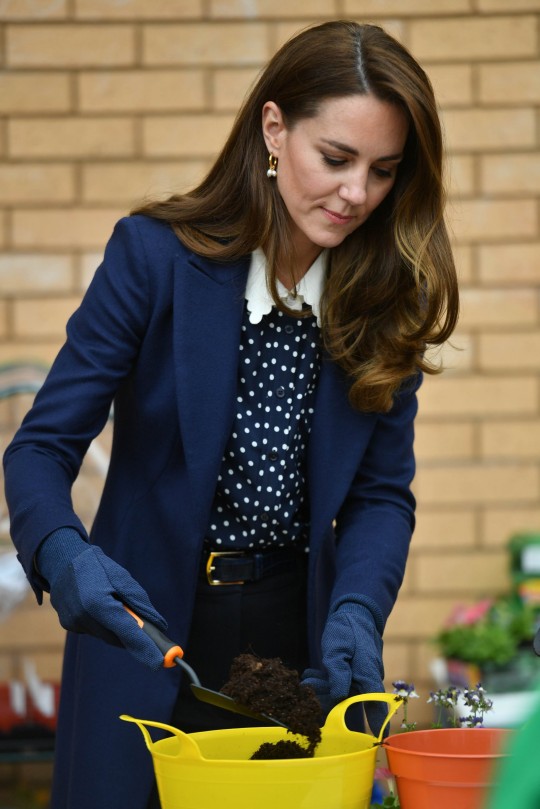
column 335, row 168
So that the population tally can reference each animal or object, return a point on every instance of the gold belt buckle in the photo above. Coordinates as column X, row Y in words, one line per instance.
column 210, row 567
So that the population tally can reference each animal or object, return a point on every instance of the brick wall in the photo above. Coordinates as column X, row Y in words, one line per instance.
column 106, row 102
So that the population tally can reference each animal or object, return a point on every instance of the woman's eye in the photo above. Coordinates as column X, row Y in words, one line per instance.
column 333, row 161
column 385, row 174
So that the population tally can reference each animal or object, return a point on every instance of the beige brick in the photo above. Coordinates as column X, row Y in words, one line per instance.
column 510, row 173
column 23, row 273
column 399, row 8
column 475, row 483
column 22, row 183
column 231, row 86
column 60, row 228
column 49, row 664
column 447, row 441
column 461, row 175
column 500, row 524
column 141, row 90
column 407, row 586
column 510, row 439
column 130, row 183
column 477, row 574
column 33, row 92
column 510, row 83
column 516, row 352
column 137, row 9
column 33, row 9
column 463, row 258
column 4, row 327
column 69, row 45
column 488, row 129
column 424, row 656
column 511, row 264
column 485, row 308
column 507, row 5
column 42, row 318
column 31, row 629
column 495, row 220
column 205, row 44
column 3, row 229
column 453, row 84
column 272, row 8
column 71, row 137
column 462, row 38
column 444, row 528
column 86, row 496
column 190, row 136
column 418, row 617
column 456, row 355
column 26, row 351
column 396, row 657
column 89, row 262
column 452, row 397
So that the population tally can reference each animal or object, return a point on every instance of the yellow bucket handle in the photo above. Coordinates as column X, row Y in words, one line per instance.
column 334, row 721
column 336, row 718
column 189, row 748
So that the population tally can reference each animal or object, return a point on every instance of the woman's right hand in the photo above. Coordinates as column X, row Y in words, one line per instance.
column 88, row 590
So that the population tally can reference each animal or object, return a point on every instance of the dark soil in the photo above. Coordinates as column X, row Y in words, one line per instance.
column 282, row 749
column 267, row 686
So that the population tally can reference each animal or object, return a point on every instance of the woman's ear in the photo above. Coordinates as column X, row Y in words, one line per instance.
column 273, row 127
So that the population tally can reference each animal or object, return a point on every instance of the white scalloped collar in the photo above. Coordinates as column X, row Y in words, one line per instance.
column 308, row 289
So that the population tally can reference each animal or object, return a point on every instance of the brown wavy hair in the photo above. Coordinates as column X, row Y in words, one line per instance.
column 391, row 289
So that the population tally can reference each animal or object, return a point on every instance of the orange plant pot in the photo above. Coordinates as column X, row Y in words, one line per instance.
column 445, row 768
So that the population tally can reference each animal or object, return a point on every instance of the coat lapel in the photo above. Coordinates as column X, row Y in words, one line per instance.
column 208, row 308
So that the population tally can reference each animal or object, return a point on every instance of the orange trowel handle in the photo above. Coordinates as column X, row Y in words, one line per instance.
column 172, row 654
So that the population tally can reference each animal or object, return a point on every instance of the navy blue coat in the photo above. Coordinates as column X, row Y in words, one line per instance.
column 158, row 333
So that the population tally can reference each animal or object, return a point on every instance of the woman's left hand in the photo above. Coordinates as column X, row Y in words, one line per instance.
column 352, row 658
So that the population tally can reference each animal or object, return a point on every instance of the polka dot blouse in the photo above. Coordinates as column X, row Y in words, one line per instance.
column 259, row 499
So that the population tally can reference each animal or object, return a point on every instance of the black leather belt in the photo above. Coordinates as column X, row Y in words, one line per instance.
column 238, row 567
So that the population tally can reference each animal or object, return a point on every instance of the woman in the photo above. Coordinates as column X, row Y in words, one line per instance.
column 262, row 338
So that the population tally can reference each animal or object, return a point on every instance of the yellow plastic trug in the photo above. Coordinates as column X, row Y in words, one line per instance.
column 206, row 770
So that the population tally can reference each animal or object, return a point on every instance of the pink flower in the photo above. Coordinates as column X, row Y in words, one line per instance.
column 469, row 615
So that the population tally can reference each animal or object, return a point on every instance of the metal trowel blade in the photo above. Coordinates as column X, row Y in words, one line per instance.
column 221, row 700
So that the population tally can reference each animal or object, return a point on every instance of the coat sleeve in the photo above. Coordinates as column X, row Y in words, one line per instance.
column 375, row 524
column 103, row 335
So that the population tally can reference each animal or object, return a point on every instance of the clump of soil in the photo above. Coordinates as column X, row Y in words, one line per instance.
column 283, row 749
column 267, row 686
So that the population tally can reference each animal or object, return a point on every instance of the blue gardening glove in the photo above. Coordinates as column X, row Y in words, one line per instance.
column 319, row 682
column 88, row 590
column 352, row 658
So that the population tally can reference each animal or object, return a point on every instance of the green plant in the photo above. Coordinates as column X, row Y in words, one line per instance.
column 389, row 802
column 488, row 632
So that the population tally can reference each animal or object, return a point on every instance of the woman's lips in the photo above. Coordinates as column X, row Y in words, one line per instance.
column 337, row 218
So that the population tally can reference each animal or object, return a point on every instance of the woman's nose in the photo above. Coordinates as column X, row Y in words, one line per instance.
column 354, row 190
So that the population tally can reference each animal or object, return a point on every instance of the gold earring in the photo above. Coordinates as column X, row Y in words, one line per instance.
column 272, row 166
